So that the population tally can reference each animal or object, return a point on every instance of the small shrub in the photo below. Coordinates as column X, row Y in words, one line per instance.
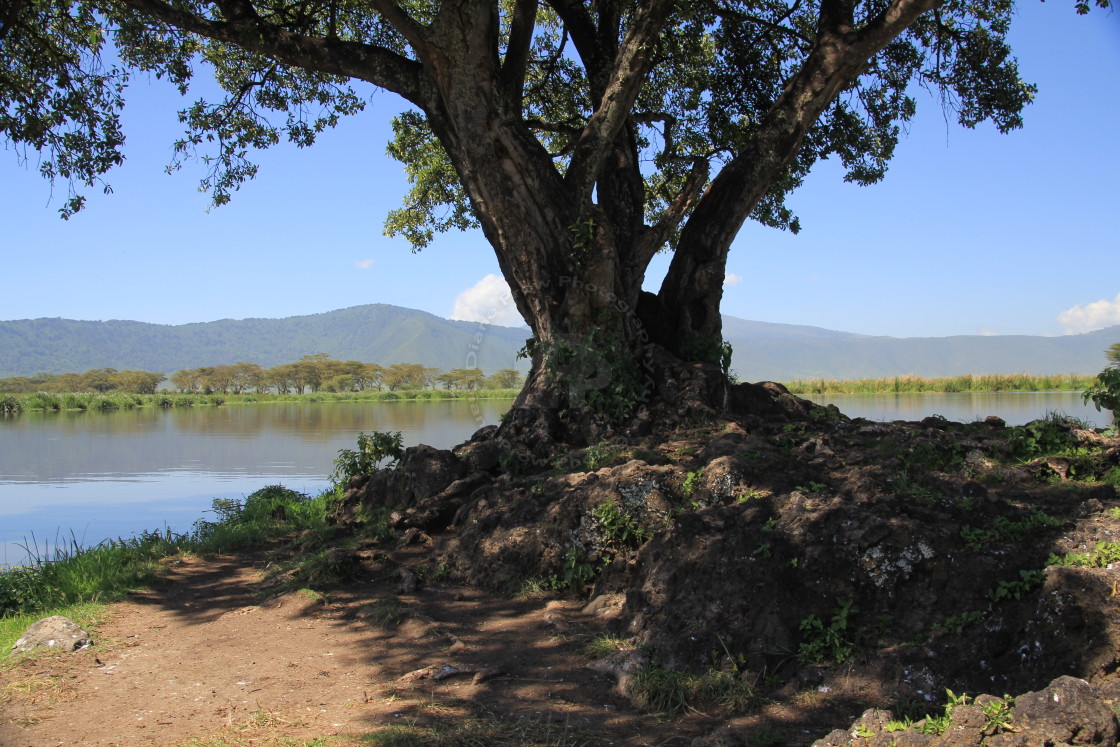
column 1049, row 436
column 43, row 401
column 1016, row 589
column 373, row 449
column 575, row 573
column 596, row 456
column 10, row 405
column 1104, row 393
column 692, row 482
column 822, row 643
column 620, row 528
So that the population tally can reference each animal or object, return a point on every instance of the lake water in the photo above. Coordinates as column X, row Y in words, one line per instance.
column 1016, row 408
column 90, row 476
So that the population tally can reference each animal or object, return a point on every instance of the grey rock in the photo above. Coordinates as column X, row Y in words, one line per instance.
column 1066, row 712
column 53, row 632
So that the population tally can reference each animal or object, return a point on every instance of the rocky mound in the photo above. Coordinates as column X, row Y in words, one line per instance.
column 794, row 551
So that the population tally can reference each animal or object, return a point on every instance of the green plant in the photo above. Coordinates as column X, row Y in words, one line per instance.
column 750, row 495
column 1104, row 393
column 1017, row 588
column 938, row 724
column 898, row 725
column 822, row 643
column 575, row 572
column 596, row 456
column 997, row 711
column 10, row 405
column 958, row 623
column 692, row 482
column 1103, row 555
column 1007, row 530
column 373, row 449
column 1048, row 436
column 621, row 529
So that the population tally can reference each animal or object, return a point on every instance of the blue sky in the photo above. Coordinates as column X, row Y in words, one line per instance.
column 971, row 232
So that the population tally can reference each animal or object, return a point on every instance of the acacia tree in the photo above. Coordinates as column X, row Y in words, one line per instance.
column 581, row 137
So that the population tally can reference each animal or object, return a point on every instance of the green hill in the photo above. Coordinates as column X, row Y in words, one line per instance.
column 376, row 333
column 379, row 333
column 777, row 352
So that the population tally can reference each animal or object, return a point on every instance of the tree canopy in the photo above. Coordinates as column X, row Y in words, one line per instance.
column 581, row 137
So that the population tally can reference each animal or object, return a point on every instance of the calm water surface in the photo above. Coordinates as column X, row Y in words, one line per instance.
column 1016, row 408
column 91, row 476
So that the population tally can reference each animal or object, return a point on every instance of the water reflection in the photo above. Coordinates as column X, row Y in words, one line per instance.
column 98, row 475
column 1016, row 408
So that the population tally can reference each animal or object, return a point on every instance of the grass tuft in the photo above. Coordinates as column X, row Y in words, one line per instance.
column 68, row 574
column 672, row 692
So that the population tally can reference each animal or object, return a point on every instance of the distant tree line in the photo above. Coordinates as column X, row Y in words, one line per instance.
column 95, row 380
column 311, row 373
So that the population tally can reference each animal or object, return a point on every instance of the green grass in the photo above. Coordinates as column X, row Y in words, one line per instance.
column 672, row 692
column 71, row 575
column 965, row 383
column 448, row 726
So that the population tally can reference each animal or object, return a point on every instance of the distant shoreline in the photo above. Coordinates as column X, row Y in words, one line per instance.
column 944, row 385
column 14, row 404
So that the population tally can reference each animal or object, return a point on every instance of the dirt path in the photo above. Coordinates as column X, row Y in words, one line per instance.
column 202, row 660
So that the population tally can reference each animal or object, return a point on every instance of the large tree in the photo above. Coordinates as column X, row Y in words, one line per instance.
column 582, row 137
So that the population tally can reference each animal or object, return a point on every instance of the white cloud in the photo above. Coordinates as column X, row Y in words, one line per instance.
column 1091, row 316
column 488, row 301
column 364, row 264
column 731, row 279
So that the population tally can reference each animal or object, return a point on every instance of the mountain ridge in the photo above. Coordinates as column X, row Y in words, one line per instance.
column 386, row 334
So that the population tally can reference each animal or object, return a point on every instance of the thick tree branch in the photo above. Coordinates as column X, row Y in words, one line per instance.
column 661, row 231
column 517, row 51
column 402, row 22
column 838, row 57
column 377, row 65
column 579, row 26
column 630, row 69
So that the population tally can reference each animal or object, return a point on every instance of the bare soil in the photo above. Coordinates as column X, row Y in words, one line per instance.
column 206, row 659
